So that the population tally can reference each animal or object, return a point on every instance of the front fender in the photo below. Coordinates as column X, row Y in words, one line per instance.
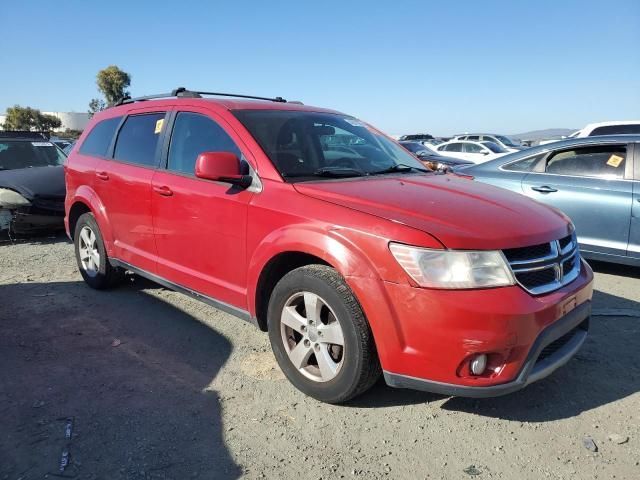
column 351, row 262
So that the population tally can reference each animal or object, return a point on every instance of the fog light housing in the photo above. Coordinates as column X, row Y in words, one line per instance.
column 478, row 364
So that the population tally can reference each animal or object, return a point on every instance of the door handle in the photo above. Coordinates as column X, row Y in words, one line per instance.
column 163, row 190
column 102, row 175
column 544, row 189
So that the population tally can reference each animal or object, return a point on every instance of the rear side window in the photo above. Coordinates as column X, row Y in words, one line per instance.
column 603, row 162
column 192, row 135
column 473, row 137
column 138, row 139
column 454, row 147
column 616, row 130
column 473, row 148
column 97, row 142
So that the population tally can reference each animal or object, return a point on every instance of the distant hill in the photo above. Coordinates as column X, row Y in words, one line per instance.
column 548, row 133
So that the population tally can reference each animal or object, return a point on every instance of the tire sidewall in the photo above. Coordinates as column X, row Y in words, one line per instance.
column 347, row 378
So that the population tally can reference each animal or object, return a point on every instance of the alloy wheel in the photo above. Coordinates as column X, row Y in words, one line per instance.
column 89, row 253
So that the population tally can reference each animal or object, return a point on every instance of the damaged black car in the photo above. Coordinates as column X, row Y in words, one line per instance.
column 32, row 186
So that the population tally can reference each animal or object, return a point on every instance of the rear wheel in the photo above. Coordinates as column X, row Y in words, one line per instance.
column 91, row 255
column 319, row 335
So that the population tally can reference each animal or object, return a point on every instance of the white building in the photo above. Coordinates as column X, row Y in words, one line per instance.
column 70, row 120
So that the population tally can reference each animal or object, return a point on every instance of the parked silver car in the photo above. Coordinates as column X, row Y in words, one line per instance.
column 594, row 180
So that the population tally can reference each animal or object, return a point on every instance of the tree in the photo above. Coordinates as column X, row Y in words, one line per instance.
column 96, row 105
column 113, row 84
column 27, row 118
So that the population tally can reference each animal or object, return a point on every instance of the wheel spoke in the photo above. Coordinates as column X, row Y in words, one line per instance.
column 92, row 239
column 331, row 333
column 95, row 258
column 328, row 367
column 84, row 235
column 293, row 319
column 300, row 354
column 312, row 306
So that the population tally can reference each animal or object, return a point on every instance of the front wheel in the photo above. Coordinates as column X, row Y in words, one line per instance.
column 319, row 335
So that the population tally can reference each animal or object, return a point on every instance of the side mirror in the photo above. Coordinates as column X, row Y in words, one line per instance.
column 221, row 167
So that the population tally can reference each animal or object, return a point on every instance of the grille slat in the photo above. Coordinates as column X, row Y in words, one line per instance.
column 545, row 267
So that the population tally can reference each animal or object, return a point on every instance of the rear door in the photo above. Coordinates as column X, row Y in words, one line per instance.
column 634, row 232
column 123, row 183
column 200, row 225
column 591, row 184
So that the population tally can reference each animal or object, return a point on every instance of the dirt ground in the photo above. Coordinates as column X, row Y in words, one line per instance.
column 158, row 385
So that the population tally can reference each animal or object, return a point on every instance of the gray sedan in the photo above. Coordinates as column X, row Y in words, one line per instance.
column 594, row 180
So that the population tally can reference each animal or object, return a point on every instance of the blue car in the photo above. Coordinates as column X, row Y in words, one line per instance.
column 594, row 180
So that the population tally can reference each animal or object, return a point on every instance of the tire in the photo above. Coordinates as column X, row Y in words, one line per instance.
column 91, row 255
column 323, row 369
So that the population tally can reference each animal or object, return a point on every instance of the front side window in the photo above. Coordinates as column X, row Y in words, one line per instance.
column 524, row 165
column 494, row 147
column 313, row 144
column 192, row 135
column 16, row 154
column 473, row 137
column 99, row 139
column 601, row 162
column 138, row 139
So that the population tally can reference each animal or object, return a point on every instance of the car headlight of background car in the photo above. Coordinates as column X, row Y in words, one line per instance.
column 453, row 269
column 12, row 199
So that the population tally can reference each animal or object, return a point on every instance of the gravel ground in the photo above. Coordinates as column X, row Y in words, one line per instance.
column 158, row 385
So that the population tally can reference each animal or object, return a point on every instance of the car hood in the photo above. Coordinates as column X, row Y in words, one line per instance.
column 460, row 213
column 45, row 182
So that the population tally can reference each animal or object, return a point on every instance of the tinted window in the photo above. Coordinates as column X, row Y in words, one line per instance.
column 608, row 162
column 524, row 165
column 192, row 135
column 473, row 137
column 616, row 130
column 494, row 147
column 138, row 139
column 454, row 147
column 98, row 141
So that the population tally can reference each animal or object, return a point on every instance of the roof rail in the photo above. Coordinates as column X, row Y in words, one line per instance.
column 182, row 92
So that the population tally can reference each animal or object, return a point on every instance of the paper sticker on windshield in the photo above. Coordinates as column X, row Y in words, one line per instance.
column 355, row 122
column 42, row 144
column 615, row 160
column 159, row 125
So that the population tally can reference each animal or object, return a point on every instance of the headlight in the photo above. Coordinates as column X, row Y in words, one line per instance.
column 453, row 269
column 11, row 199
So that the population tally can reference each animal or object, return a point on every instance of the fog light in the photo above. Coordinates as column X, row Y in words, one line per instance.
column 478, row 364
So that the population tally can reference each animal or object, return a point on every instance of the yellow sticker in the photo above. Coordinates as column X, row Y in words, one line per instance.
column 159, row 125
column 615, row 160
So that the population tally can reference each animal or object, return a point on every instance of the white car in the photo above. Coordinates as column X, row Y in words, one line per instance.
column 476, row 152
column 502, row 140
column 629, row 127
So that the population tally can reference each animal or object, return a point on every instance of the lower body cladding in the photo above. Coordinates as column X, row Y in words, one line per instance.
column 480, row 343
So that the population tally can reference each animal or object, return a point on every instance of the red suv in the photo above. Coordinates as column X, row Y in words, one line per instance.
column 334, row 239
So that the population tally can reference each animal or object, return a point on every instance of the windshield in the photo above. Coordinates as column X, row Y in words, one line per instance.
column 309, row 144
column 16, row 154
column 494, row 147
column 506, row 141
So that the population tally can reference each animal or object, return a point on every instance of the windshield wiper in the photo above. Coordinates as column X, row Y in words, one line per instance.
column 400, row 167
column 339, row 172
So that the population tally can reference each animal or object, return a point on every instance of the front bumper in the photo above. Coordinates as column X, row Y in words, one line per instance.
column 570, row 331
column 426, row 338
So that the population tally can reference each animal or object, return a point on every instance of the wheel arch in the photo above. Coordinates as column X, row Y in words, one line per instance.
column 85, row 200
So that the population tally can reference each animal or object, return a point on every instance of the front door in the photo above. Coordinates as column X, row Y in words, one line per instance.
column 634, row 231
column 591, row 185
column 123, row 183
column 200, row 225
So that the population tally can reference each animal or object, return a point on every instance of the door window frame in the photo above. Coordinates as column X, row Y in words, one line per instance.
column 161, row 140
column 628, row 164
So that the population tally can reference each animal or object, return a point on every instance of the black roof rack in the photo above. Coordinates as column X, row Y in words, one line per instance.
column 182, row 92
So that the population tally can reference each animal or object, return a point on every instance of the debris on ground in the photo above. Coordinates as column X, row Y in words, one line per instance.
column 589, row 444
column 472, row 471
column 617, row 438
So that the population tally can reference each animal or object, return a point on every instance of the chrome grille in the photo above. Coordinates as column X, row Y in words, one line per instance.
column 545, row 267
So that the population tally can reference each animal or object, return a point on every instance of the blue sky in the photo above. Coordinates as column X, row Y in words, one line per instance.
column 404, row 66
